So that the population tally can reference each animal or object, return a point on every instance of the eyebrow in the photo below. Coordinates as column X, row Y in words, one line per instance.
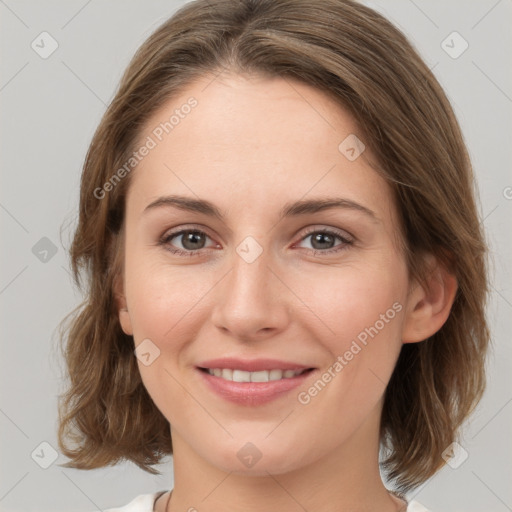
column 302, row 207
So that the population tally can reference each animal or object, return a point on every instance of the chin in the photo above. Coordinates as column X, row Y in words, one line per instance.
column 258, row 458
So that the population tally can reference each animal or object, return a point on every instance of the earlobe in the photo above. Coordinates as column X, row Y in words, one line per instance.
column 122, row 307
column 429, row 305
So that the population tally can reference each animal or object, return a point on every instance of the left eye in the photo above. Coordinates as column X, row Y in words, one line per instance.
column 193, row 240
column 324, row 237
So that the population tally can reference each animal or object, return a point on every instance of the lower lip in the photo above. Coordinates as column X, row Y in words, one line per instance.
column 252, row 393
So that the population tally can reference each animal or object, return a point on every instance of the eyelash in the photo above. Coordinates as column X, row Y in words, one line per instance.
column 167, row 237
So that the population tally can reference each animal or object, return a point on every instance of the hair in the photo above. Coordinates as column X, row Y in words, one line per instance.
column 356, row 56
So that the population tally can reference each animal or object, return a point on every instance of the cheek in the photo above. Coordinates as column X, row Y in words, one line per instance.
column 351, row 301
column 164, row 303
column 163, row 299
column 363, row 309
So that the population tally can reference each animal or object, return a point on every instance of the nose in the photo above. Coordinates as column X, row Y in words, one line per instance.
column 252, row 301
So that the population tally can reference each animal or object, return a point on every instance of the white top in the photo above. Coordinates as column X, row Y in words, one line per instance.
column 146, row 503
column 142, row 503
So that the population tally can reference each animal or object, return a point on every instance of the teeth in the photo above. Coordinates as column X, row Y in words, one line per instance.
column 275, row 374
column 261, row 376
column 240, row 376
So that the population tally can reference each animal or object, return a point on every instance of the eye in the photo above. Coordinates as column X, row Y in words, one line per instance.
column 322, row 240
column 191, row 240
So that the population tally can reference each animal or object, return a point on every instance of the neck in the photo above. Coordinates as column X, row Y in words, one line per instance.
column 347, row 478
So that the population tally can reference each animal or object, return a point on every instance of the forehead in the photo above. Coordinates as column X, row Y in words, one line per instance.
column 252, row 110
column 253, row 138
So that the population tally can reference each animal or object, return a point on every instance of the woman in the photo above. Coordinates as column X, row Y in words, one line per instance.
column 277, row 278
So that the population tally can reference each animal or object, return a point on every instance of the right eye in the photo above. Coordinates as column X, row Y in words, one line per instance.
column 191, row 240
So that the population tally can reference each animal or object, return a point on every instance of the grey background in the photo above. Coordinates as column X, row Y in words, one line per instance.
column 50, row 109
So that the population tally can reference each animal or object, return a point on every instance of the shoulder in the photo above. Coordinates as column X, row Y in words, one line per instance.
column 146, row 502
column 413, row 506
column 142, row 503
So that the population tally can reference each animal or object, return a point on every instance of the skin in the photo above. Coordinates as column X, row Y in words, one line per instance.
column 251, row 145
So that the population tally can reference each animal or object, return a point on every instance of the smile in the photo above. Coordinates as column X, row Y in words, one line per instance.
column 254, row 385
column 260, row 376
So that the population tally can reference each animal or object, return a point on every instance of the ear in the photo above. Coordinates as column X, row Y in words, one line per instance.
column 429, row 305
column 121, row 306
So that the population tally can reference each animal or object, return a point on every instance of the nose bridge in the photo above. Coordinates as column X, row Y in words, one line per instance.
column 249, row 279
column 249, row 301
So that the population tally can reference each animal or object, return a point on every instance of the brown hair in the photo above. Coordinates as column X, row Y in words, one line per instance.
column 361, row 60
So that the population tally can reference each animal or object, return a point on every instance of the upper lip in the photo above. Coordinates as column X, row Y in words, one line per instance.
column 251, row 365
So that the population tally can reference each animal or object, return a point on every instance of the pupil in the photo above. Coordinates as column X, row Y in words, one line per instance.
column 321, row 237
column 191, row 238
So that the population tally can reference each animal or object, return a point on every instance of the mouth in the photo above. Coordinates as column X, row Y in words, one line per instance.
column 237, row 375
column 252, row 383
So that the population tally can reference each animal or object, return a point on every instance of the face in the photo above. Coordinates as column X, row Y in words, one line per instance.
column 262, row 276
